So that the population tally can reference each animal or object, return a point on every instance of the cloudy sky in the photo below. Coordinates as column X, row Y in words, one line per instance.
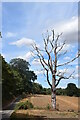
column 24, row 23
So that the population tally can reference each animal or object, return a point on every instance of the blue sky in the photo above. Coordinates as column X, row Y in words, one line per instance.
column 23, row 23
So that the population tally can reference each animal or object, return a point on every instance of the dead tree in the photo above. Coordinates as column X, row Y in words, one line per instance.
column 52, row 49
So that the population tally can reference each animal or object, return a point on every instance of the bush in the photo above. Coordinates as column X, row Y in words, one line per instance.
column 48, row 107
column 24, row 105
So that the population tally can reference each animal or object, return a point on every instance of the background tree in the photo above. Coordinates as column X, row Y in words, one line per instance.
column 16, row 78
column 22, row 66
column 11, row 81
column 72, row 90
column 53, row 51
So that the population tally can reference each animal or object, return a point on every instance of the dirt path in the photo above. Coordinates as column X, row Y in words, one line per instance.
column 10, row 108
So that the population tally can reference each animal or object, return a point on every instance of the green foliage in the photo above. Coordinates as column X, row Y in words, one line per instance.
column 48, row 107
column 24, row 105
column 19, row 64
column 46, row 91
column 37, row 88
column 16, row 78
column 71, row 90
column 22, row 67
column 60, row 91
column 9, row 82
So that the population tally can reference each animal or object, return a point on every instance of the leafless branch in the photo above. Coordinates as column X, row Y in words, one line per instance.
column 48, row 79
column 68, row 61
column 53, row 35
column 58, row 36
column 59, row 55
column 49, row 59
column 63, row 77
column 61, row 47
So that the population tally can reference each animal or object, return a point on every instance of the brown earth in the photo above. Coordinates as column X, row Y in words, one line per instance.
column 64, row 103
column 67, row 107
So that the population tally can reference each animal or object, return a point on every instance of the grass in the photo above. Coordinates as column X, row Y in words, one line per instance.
column 31, row 113
column 42, row 108
column 48, row 107
column 24, row 105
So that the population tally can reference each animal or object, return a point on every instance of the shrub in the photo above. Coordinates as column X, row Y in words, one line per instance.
column 48, row 107
column 24, row 105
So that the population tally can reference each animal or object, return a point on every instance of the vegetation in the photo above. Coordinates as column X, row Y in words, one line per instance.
column 24, row 105
column 48, row 107
column 71, row 90
column 17, row 79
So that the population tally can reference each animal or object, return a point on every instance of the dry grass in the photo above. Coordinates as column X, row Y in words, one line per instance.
column 45, row 113
column 23, row 100
column 68, row 107
column 64, row 103
column 67, row 103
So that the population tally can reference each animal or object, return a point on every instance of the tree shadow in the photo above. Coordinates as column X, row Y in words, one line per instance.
column 39, row 118
column 20, row 116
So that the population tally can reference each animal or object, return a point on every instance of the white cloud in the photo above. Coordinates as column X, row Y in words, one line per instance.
column 69, row 29
column 77, row 75
column 38, row 72
column 68, row 26
column 4, row 56
column 67, row 58
column 23, row 41
column 27, row 56
column 77, row 67
column 10, row 34
column 36, row 62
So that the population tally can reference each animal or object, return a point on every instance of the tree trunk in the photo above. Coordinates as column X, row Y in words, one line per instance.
column 53, row 100
column 53, row 96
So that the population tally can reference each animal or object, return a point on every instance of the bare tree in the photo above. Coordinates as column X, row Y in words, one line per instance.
column 53, row 50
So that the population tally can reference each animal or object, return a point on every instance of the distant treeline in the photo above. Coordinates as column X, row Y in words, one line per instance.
column 71, row 90
column 17, row 79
